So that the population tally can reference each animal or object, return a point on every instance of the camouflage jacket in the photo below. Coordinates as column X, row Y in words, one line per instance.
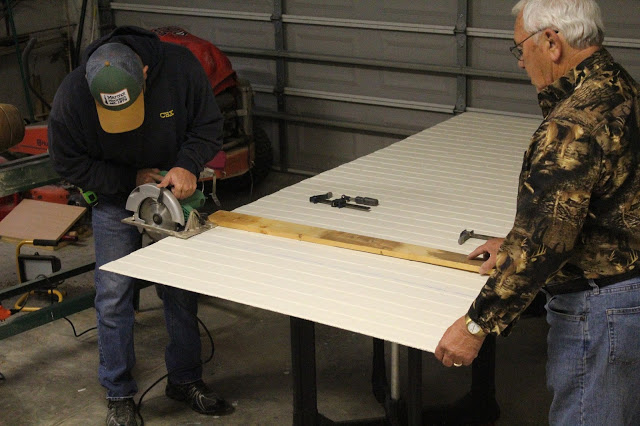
column 578, row 211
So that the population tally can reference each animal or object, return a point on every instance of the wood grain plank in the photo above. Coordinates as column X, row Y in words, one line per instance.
column 341, row 239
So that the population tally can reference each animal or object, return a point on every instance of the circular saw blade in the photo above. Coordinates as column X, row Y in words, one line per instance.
column 156, row 214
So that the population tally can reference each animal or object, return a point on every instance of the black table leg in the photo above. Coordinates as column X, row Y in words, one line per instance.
column 303, row 366
column 379, row 372
column 414, row 397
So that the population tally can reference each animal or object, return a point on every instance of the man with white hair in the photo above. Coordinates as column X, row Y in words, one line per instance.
column 576, row 234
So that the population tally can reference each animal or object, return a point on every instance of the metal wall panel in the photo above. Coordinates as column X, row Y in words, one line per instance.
column 629, row 58
column 401, row 118
column 260, row 72
column 494, row 14
column 436, row 49
column 504, row 96
column 419, row 88
column 338, row 78
column 250, row 6
column 435, row 12
column 493, row 54
column 317, row 149
column 620, row 17
column 224, row 32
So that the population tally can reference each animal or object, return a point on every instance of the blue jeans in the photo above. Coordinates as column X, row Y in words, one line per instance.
column 593, row 366
column 115, row 311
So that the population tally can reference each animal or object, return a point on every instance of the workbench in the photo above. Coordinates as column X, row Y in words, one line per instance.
column 459, row 174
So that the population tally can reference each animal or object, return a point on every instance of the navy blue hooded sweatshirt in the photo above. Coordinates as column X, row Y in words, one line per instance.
column 182, row 124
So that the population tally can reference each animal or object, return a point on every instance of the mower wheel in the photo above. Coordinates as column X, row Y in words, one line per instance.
column 261, row 164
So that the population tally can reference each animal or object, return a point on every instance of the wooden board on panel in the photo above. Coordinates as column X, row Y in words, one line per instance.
column 32, row 219
column 346, row 240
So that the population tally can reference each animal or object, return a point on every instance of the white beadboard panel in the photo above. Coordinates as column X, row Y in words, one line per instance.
column 374, row 295
column 461, row 173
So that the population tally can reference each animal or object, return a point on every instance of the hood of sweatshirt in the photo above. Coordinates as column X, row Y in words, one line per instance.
column 145, row 43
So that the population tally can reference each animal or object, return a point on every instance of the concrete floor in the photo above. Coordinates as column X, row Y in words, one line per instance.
column 51, row 376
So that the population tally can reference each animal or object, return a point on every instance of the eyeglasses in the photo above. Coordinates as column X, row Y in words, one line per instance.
column 516, row 49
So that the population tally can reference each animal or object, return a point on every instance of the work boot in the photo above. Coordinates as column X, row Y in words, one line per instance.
column 122, row 412
column 200, row 398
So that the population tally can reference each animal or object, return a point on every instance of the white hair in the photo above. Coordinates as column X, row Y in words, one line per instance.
column 579, row 21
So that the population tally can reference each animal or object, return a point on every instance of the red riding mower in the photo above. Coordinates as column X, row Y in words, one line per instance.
column 246, row 155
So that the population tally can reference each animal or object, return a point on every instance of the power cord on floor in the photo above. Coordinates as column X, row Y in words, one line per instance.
column 74, row 328
column 52, row 299
column 139, row 405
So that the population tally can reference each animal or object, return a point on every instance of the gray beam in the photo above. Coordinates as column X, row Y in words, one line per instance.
column 190, row 11
column 281, row 81
column 23, row 174
column 461, row 55
column 369, row 25
column 372, row 63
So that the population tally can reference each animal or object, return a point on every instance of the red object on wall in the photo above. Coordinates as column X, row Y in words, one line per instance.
column 4, row 313
column 35, row 140
column 215, row 63
column 7, row 204
column 49, row 193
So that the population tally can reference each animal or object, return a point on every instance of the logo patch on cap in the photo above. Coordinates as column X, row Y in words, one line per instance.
column 115, row 99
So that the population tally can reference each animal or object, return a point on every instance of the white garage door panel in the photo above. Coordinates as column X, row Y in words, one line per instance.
column 430, row 187
column 380, row 296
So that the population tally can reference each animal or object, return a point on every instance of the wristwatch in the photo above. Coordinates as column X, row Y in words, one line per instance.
column 473, row 328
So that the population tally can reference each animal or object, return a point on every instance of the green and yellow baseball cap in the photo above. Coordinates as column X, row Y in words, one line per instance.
column 116, row 80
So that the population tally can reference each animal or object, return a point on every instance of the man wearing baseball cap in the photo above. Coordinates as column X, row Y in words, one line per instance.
column 136, row 106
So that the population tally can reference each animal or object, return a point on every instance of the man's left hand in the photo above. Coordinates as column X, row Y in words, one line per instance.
column 457, row 345
column 182, row 181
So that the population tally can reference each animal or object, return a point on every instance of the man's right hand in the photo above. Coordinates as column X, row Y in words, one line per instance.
column 148, row 176
column 491, row 247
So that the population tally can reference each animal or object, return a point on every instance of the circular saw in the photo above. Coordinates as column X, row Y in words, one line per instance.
column 158, row 213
